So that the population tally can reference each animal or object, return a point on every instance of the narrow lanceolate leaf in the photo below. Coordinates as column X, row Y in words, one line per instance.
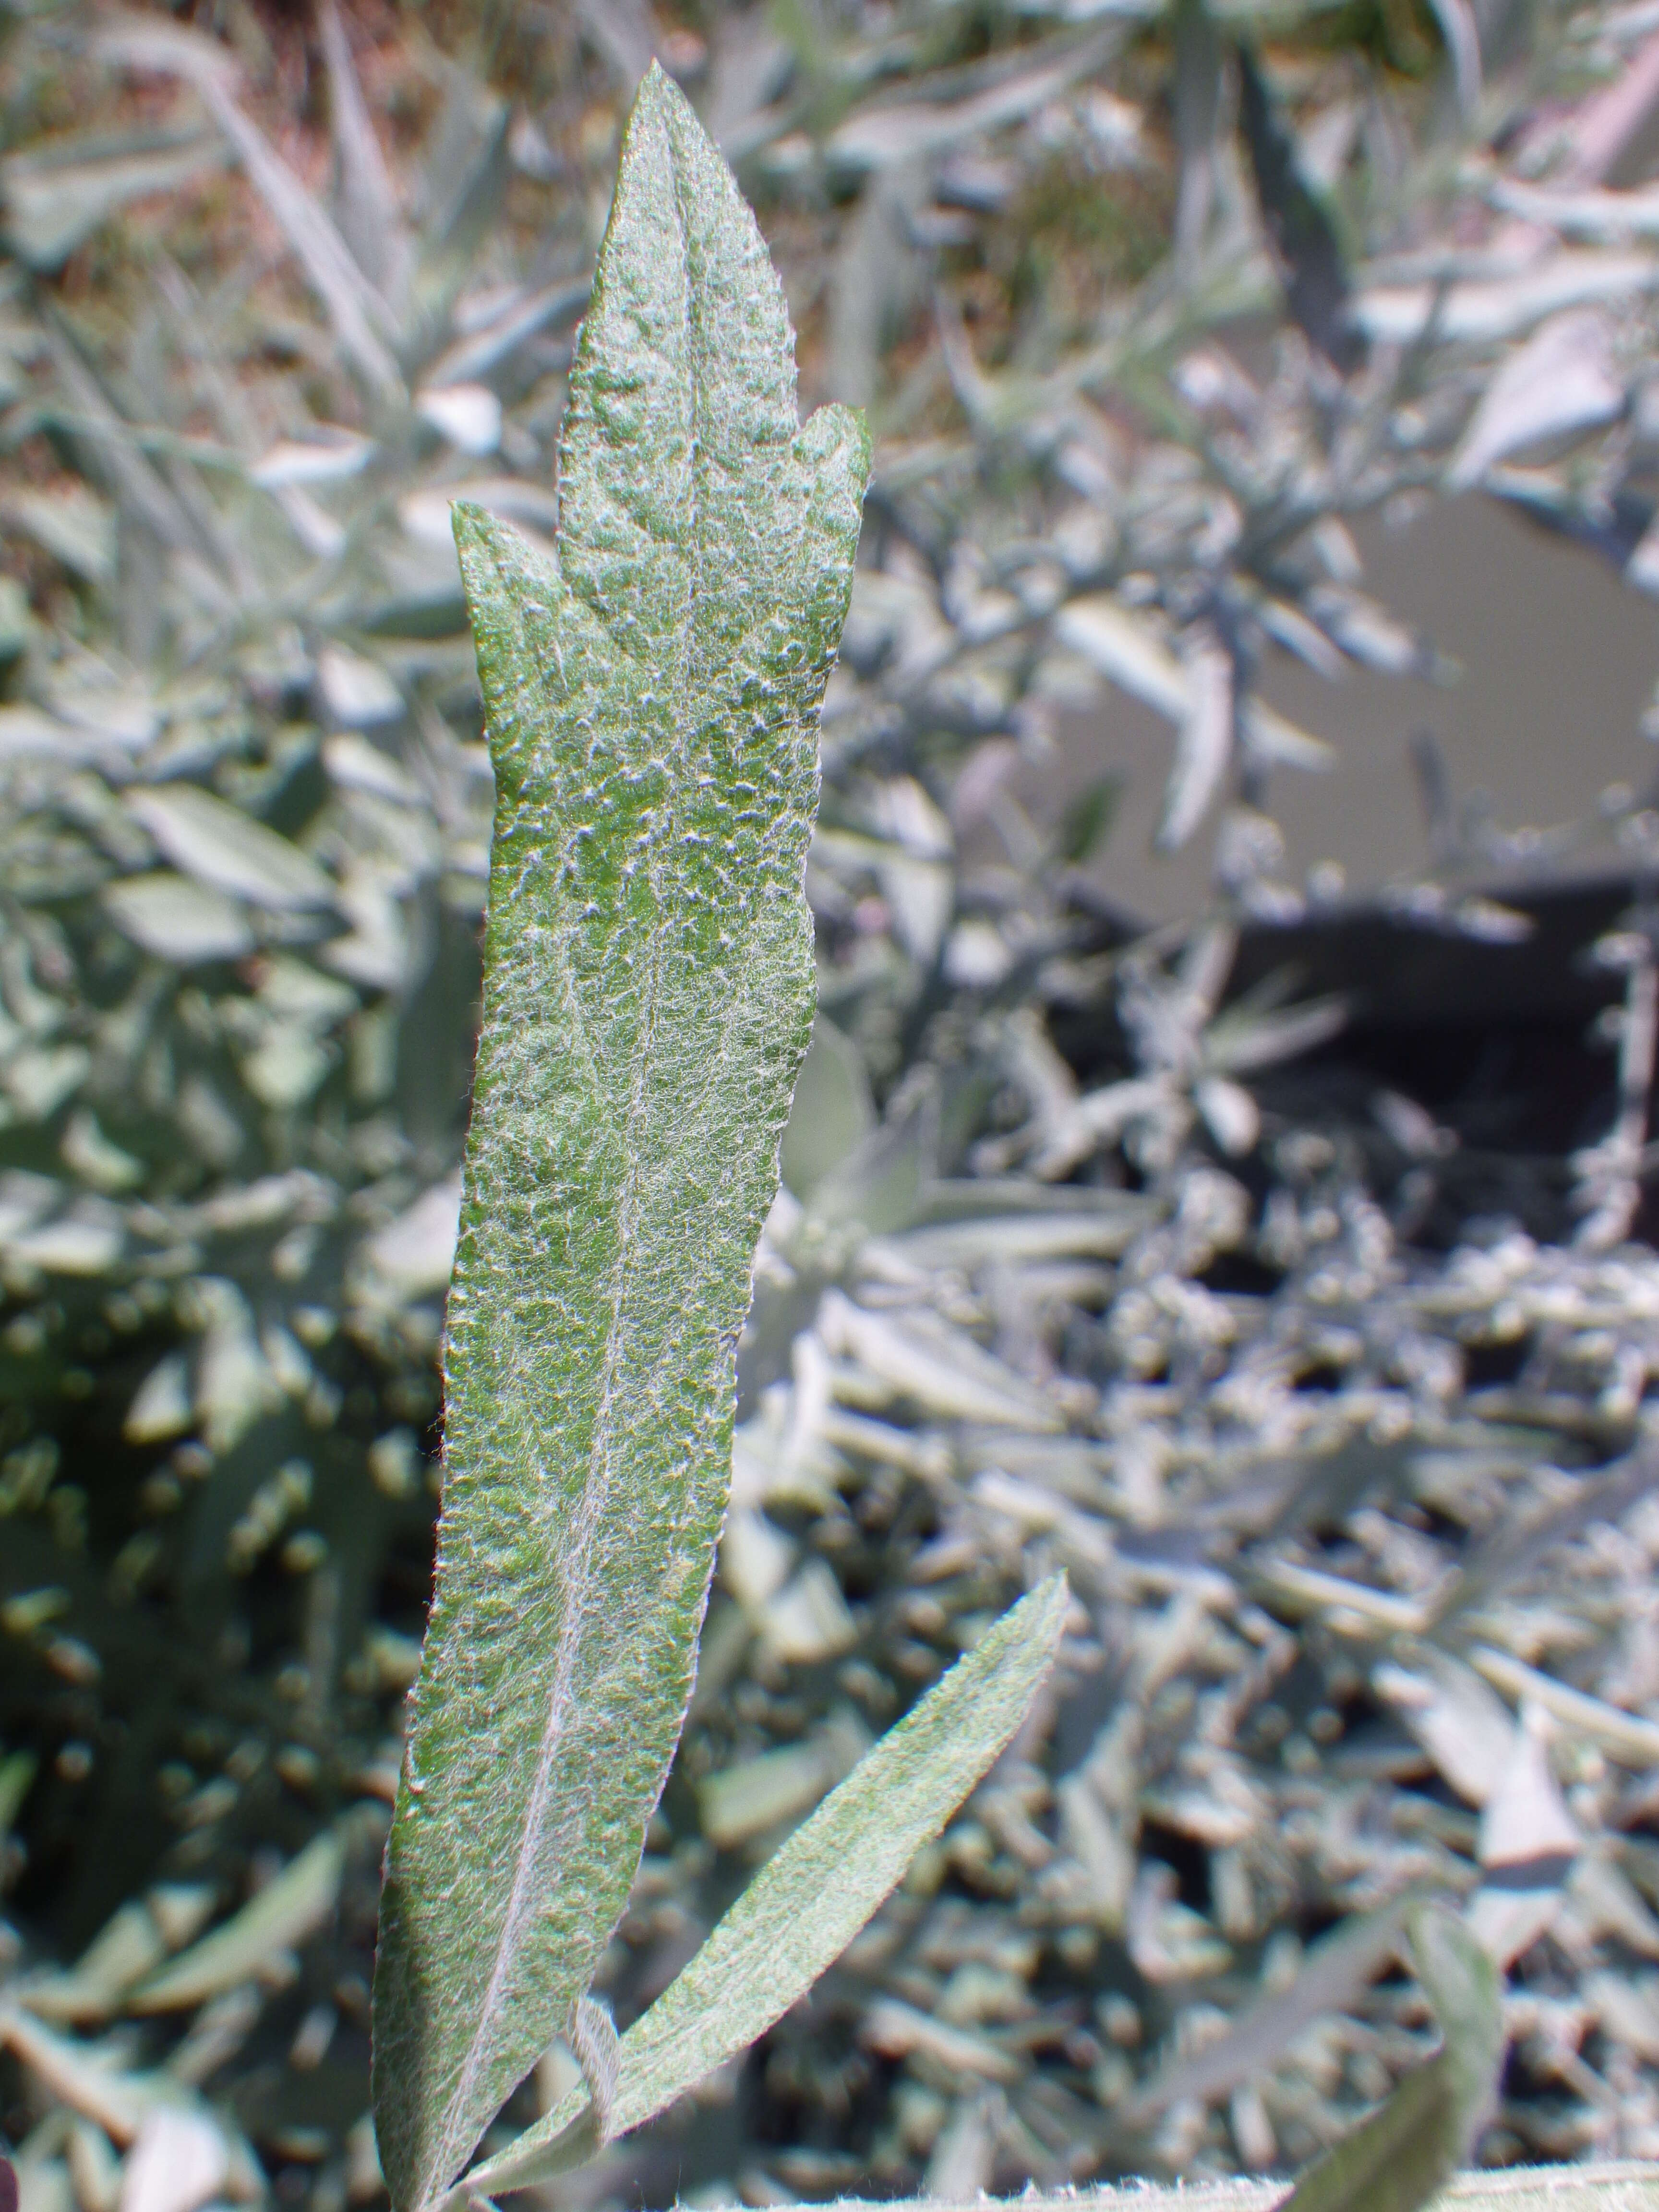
column 812, row 1896
column 1413, row 2144
column 651, row 698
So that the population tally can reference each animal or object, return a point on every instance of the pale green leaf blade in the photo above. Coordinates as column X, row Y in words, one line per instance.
column 651, row 696
column 814, row 1893
column 1410, row 2147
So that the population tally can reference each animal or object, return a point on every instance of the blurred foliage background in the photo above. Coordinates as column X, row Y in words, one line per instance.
column 1099, row 1245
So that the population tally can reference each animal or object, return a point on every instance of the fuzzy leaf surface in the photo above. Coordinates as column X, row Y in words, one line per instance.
column 652, row 697
column 813, row 1894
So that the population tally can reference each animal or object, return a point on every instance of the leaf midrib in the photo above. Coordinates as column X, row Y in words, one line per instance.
column 580, row 1587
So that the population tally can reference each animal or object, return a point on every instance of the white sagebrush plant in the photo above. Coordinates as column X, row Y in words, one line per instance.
column 653, row 696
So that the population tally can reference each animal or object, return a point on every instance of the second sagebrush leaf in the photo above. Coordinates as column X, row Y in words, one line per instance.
column 651, row 700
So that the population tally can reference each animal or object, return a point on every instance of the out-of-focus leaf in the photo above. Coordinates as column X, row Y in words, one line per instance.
column 1493, row 309
column 758, row 1794
column 468, row 415
column 1461, row 32
column 1408, row 2150
column 129, row 1947
column 56, row 198
column 234, row 1384
column 1126, row 648
column 814, row 1893
column 81, row 2075
column 1243, row 1039
column 1205, row 746
column 523, row 316
column 180, row 921
column 1336, row 1969
column 1129, row 649
column 1317, row 290
column 84, row 1238
column 832, row 1111
column 1276, row 741
column 180, row 2161
column 72, row 523
column 1601, row 216
column 1230, row 1113
column 370, row 218
column 1088, row 820
column 290, row 1907
column 362, row 322
column 1561, row 381
column 412, row 1255
column 1365, row 633
column 1628, row 1737
column 161, row 1407
column 1464, row 1727
column 1084, row 1224
column 221, row 847
column 357, row 692
column 17, row 1773
column 877, row 137
column 326, row 454
column 883, row 1182
column 934, row 1365
column 1527, row 1846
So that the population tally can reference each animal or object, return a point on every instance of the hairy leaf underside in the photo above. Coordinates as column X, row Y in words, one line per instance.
column 652, row 697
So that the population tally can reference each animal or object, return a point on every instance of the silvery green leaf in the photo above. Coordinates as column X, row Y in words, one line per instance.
column 1409, row 2148
column 228, row 851
column 651, row 695
column 814, row 1893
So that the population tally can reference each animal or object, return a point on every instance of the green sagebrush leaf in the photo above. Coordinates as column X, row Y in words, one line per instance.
column 812, row 1895
column 1413, row 2144
column 651, row 698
